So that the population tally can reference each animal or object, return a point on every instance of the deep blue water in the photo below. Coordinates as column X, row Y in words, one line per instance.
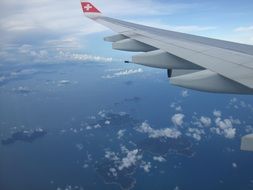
column 63, row 100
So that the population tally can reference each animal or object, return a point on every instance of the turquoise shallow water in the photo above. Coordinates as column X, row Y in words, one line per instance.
column 90, row 109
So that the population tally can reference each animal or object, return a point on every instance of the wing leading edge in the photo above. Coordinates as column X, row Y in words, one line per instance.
column 194, row 62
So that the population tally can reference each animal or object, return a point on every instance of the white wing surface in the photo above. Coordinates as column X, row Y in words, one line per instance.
column 192, row 61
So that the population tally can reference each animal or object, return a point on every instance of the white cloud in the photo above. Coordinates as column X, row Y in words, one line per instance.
column 249, row 129
column 97, row 126
column 205, row 121
column 159, row 158
column 234, row 165
column 230, row 133
column 178, row 108
column 129, row 72
column 243, row 34
column 223, row 124
column 236, row 104
column 67, row 56
column 201, row 122
column 178, row 119
column 185, row 93
column 217, row 113
column 113, row 172
column 50, row 55
column 157, row 133
column 124, row 72
column 111, row 155
column 124, row 149
column 102, row 113
column 63, row 82
column 244, row 29
column 130, row 160
column 195, row 133
column 79, row 146
column 225, row 127
column 107, row 122
column 121, row 133
column 146, row 166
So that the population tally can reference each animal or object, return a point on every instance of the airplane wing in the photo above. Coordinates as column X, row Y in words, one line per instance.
column 194, row 62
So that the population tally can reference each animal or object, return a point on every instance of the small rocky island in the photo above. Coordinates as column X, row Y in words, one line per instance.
column 25, row 136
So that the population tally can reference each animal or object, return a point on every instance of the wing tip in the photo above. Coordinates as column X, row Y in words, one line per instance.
column 89, row 8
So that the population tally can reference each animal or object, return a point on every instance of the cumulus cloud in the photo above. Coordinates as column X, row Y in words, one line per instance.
column 125, row 160
column 113, row 172
column 236, row 104
column 176, row 106
column 202, row 121
column 111, row 155
column 249, row 129
column 225, row 127
column 124, row 72
column 195, row 133
column 178, row 119
column 129, row 72
column 146, row 166
column 179, row 108
column 158, row 133
column 205, row 121
column 230, row 133
column 121, row 133
column 159, row 158
column 234, row 165
column 102, row 113
column 66, row 56
column 185, row 93
column 130, row 160
column 217, row 113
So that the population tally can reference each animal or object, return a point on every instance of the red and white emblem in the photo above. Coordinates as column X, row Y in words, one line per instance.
column 89, row 8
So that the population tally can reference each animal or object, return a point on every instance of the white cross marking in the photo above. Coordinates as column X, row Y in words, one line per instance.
column 88, row 7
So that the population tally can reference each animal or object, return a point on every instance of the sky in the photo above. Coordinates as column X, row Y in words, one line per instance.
column 45, row 31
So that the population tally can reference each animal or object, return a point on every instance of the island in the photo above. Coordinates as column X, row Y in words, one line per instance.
column 123, row 178
column 164, row 146
column 25, row 136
